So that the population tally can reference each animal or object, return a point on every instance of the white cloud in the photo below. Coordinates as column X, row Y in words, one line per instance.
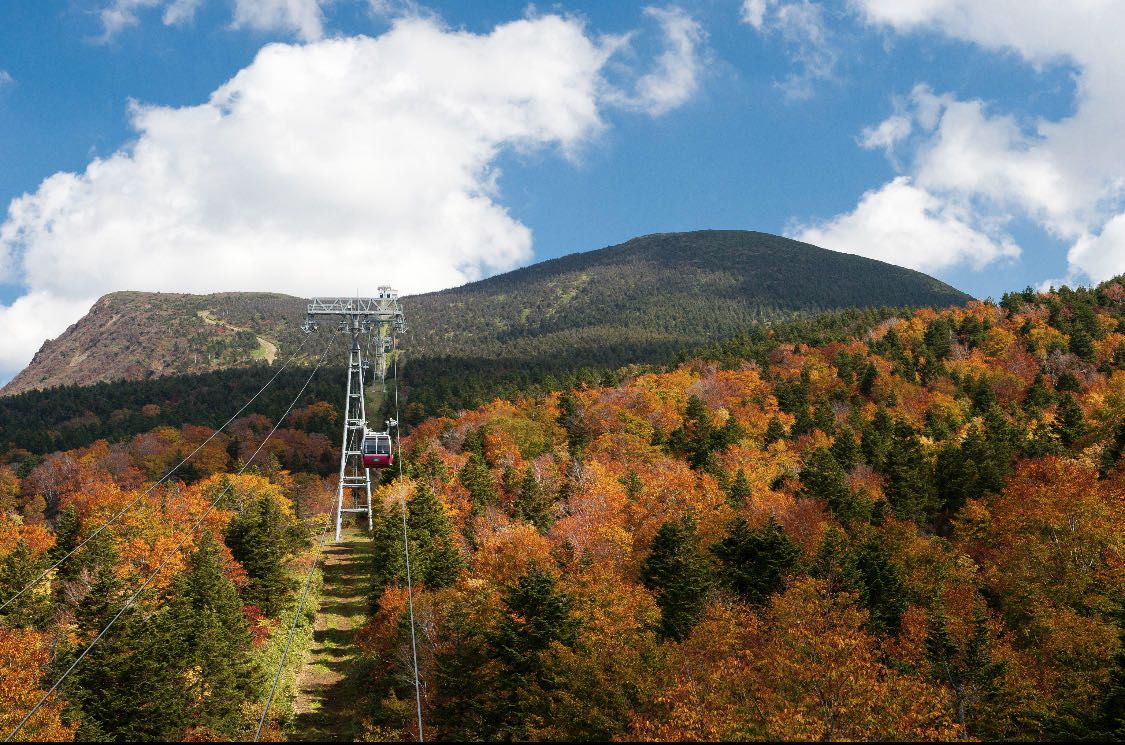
column 754, row 12
column 320, row 167
column 120, row 14
column 24, row 320
column 6, row 78
column 180, row 11
column 1102, row 255
column 675, row 77
column 903, row 224
column 888, row 134
column 1066, row 175
column 802, row 25
column 302, row 18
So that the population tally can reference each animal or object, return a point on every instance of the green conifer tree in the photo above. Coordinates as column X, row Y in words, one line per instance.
column 261, row 538
column 213, row 640
column 909, row 485
column 678, row 575
column 435, row 560
column 755, row 562
column 476, row 477
column 775, row 431
column 130, row 685
column 1070, row 422
column 536, row 614
column 881, row 589
column 965, row 668
column 33, row 609
column 739, row 492
column 823, row 478
column 532, row 503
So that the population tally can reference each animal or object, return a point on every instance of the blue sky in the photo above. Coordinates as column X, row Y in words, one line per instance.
column 971, row 140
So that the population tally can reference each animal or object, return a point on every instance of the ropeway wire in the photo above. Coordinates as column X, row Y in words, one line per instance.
column 293, row 628
column 168, row 556
column 148, row 491
column 406, row 551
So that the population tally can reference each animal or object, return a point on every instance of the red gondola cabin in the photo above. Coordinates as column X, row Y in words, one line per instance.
column 377, row 452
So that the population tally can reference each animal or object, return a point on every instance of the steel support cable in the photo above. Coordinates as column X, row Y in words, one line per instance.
column 293, row 628
column 167, row 557
column 406, row 551
column 155, row 484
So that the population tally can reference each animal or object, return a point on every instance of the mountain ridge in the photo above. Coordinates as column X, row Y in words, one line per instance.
column 650, row 296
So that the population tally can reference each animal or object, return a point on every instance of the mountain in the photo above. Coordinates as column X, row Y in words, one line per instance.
column 642, row 300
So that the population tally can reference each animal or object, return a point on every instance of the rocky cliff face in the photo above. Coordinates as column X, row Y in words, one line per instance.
column 138, row 335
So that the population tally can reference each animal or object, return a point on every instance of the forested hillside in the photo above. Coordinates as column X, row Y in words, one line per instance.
column 75, row 416
column 642, row 301
column 893, row 527
column 910, row 535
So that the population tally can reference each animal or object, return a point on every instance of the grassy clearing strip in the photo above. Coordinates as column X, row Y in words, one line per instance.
column 282, row 710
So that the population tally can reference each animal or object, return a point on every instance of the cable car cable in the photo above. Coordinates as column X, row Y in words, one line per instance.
column 293, row 628
column 406, row 551
column 148, row 491
column 132, row 598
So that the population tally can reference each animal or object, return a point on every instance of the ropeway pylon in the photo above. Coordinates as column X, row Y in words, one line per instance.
column 357, row 317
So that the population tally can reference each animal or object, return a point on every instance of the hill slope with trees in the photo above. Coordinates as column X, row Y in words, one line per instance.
column 643, row 300
column 910, row 532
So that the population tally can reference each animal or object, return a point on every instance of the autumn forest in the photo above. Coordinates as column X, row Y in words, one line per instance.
column 911, row 531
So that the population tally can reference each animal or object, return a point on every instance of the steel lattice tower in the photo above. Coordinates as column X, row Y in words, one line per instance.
column 358, row 317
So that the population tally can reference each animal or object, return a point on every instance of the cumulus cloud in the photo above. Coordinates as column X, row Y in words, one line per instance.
column 302, row 18
column 24, row 320
column 323, row 166
column 675, row 76
column 904, row 224
column 1065, row 175
column 754, row 12
column 802, row 26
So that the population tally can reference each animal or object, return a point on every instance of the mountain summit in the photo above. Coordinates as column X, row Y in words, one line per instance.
column 639, row 300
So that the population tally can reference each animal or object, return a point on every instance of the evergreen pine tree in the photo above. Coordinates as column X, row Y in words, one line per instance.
column 868, row 379
column 824, row 418
column 678, row 575
column 33, row 609
column 536, row 614
column 570, row 419
column 429, row 527
column 845, row 449
column 130, row 686
column 261, row 539
column 877, row 438
column 1070, row 422
column 833, row 563
column 532, row 503
column 68, row 531
column 739, row 492
column 476, row 477
column 474, row 442
column 910, row 480
column 755, row 562
column 966, row 669
column 214, row 641
column 435, row 560
column 1114, row 449
column 775, row 431
column 880, row 586
column 823, row 478
column 1038, row 395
